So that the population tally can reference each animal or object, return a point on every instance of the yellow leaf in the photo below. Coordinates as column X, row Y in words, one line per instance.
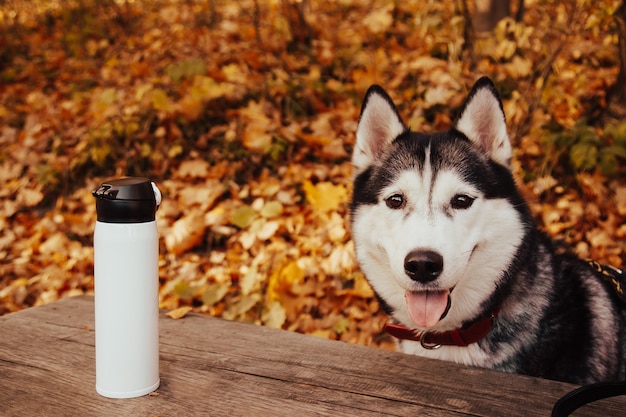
column 325, row 196
column 250, row 281
column 243, row 216
column 178, row 313
column 342, row 325
column 283, row 278
column 215, row 293
column 160, row 101
column 234, row 72
column 238, row 309
column 272, row 209
column 323, row 333
column 184, row 290
column 174, row 150
column 142, row 90
column 275, row 315
column 105, row 104
column 362, row 288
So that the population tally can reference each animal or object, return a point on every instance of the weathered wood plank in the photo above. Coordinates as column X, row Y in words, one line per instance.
column 187, row 383
column 214, row 367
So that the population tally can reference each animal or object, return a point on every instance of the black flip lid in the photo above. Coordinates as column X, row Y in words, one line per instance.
column 126, row 200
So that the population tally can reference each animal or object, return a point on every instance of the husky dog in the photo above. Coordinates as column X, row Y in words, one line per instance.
column 451, row 250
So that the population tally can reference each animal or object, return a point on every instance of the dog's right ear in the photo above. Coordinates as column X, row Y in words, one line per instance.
column 379, row 125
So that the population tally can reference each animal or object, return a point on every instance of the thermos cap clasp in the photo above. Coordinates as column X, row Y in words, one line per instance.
column 105, row 191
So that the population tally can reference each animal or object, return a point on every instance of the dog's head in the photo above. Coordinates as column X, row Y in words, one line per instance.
column 434, row 216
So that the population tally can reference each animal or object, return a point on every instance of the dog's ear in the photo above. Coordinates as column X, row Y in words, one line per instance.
column 379, row 125
column 482, row 120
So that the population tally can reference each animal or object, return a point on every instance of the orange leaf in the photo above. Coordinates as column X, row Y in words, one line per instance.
column 185, row 233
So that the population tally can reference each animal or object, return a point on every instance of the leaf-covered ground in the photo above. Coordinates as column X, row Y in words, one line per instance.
column 244, row 113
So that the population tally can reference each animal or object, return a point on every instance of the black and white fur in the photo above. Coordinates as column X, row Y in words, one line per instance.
column 441, row 213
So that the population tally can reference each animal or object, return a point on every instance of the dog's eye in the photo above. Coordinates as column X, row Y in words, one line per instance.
column 396, row 201
column 461, row 202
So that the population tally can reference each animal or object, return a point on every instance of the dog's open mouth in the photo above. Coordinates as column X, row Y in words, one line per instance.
column 426, row 308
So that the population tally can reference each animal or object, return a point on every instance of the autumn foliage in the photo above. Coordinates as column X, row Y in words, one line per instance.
column 244, row 113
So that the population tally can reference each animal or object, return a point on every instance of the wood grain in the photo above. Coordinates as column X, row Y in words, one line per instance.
column 215, row 367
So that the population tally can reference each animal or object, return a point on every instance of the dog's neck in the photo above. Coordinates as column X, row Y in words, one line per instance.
column 464, row 336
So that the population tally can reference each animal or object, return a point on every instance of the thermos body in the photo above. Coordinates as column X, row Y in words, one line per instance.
column 126, row 254
column 127, row 313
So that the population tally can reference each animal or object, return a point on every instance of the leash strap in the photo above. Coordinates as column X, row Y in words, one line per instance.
column 585, row 395
column 613, row 277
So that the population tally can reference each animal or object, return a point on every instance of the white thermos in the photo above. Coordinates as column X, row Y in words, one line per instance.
column 126, row 252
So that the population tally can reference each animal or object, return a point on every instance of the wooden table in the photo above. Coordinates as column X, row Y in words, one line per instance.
column 213, row 367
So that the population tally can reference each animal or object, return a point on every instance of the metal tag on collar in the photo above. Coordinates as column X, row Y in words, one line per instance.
column 425, row 344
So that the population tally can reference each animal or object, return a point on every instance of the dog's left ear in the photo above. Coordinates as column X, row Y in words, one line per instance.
column 482, row 121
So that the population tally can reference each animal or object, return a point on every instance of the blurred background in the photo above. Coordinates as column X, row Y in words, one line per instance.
column 245, row 113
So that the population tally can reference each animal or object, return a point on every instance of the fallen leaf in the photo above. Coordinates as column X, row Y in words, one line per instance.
column 325, row 196
column 185, row 233
column 28, row 197
column 272, row 209
column 379, row 19
column 214, row 293
column 243, row 216
column 201, row 195
column 274, row 316
column 178, row 313
column 283, row 278
column 195, row 168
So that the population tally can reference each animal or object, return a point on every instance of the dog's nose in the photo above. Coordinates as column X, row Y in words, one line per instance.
column 423, row 265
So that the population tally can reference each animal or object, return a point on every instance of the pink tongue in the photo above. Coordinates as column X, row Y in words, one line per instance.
column 427, row 307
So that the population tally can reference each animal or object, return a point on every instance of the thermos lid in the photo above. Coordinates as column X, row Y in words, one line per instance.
column 127, row 200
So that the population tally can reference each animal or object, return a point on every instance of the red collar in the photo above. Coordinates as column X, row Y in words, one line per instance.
column 457, row 337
